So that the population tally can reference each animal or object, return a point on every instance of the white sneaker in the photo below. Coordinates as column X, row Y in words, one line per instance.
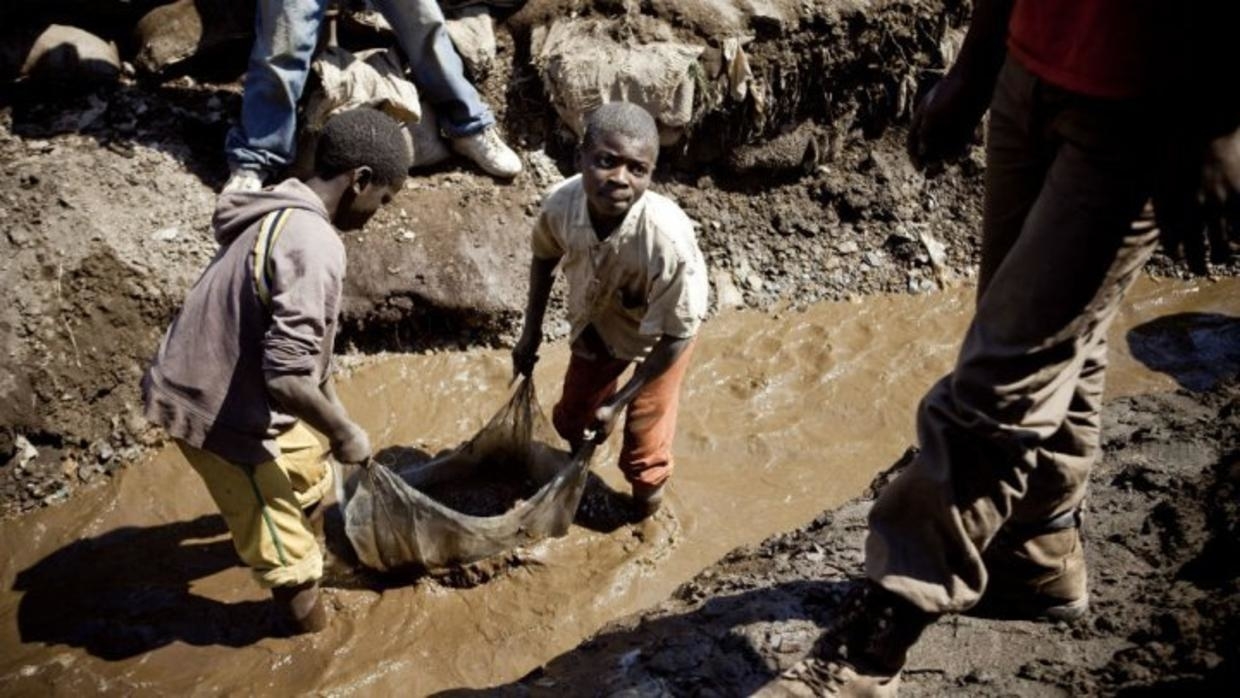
column 243, row 180
column 490, row 152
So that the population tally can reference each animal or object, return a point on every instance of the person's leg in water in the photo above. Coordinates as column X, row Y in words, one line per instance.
column 263, row 141
column 264, row 507
column 649, row 429
column 986, row 428
column 439, row 74
column 593, row 375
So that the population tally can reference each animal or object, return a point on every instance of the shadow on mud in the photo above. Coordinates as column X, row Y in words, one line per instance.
column 708, row 647
column 129, row 591
column 1198, row 350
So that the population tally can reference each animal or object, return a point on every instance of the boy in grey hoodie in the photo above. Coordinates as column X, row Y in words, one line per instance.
column 247, row 362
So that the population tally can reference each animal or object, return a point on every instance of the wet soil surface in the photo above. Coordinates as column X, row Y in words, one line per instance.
column 106, row 197
column 134, row 586
column 483, row 494
column 1161, row 540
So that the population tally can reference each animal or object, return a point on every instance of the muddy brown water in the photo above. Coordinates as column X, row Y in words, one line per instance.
column 132, row 588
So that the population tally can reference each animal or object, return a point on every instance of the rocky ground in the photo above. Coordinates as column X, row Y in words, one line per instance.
column 106, row 193
column 1161, row 541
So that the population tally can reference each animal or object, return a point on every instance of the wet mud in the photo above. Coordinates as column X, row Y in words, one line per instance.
column 483, row 494
column 1165, row 590
column 488, row 490
column 134, row 588
column 802, row 196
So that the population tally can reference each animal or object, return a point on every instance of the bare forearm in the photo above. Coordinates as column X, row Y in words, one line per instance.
column 985, row 43
column 542, row 275
column 302, row 397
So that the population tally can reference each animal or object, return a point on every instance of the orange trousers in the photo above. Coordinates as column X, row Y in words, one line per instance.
column 649, row 421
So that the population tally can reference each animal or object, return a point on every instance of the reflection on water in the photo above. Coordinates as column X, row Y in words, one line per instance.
column 131, row 588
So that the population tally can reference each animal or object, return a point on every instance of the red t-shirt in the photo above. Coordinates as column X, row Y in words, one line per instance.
column 1101, row 48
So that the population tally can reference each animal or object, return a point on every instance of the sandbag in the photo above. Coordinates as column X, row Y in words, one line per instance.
column 68, row 55
column 583, row 66
column 374, row 78
column 393, row 522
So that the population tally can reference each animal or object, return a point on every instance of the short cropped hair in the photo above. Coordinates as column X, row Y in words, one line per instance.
column 363, row 137
column 622, row 118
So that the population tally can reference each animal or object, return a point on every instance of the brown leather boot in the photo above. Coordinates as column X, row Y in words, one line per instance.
column 1037, row 572
column 862, row 652
column 299, row 609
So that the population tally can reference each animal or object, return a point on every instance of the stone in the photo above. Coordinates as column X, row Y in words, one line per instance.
column 23, row 452
column 727, row 295
column 67, row 55
column 460, row 264
column 473, row 34
column 102, row 450
column 754, row 281
column 170, row 35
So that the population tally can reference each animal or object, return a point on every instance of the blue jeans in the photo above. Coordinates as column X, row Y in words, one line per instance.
column 286, row 33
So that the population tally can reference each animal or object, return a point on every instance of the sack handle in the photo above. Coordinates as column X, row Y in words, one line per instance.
column 268, row 232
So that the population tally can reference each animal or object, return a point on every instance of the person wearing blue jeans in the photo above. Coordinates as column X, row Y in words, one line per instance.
column 286, row 34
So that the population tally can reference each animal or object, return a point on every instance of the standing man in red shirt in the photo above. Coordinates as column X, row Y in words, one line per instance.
column 1082, row 114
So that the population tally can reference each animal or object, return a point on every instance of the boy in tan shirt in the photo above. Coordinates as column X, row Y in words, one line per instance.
column 637, row 294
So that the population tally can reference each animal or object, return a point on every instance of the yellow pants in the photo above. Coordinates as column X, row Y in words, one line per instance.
column 262, row 505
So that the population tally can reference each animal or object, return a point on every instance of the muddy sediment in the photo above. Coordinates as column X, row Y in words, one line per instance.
column 1165, row 589
column 107, row 198
column 484, row 494
column 784, row 416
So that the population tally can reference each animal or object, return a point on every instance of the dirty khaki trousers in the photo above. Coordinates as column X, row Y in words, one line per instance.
column 649, row 421
column 263, row 505
column 1011, row 433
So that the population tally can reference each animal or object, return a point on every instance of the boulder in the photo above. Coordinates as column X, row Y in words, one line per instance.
column 449, row 258
column 170, row 36
column 473, row 34
column 64, row 55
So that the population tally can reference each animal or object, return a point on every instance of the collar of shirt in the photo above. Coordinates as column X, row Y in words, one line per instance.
column 583, row 228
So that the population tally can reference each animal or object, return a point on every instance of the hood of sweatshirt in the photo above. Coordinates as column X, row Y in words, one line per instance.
column 237, row 211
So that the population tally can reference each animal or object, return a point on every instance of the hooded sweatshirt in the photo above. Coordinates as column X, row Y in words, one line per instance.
column 206, row 385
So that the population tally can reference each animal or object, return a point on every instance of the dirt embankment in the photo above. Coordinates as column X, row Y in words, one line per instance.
column 106, row 199
column 1161, row 540
column 800, row 187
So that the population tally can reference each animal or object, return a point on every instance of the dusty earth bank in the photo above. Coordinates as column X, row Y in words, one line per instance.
column 106, row 196
column 1161, row 540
